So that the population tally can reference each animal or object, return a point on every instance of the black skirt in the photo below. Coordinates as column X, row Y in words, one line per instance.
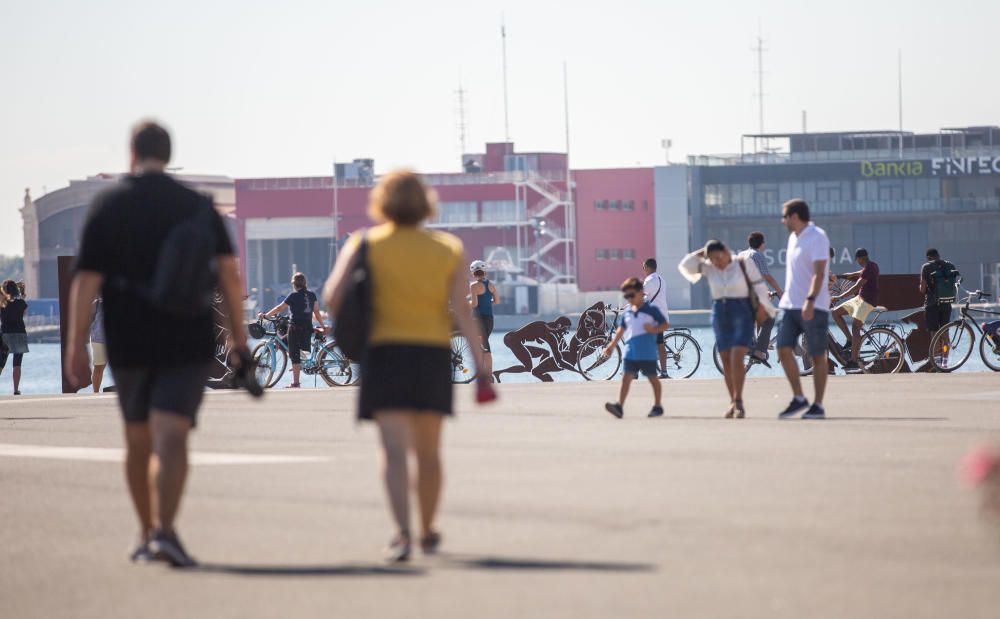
column 401, row 376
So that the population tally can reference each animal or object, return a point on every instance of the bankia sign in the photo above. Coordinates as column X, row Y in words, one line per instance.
column 941, row 167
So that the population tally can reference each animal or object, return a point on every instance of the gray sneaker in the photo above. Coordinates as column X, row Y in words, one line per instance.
column 141, row 553
column 168, row 548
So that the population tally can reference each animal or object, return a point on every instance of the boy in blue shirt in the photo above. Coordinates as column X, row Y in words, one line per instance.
column 640, row 324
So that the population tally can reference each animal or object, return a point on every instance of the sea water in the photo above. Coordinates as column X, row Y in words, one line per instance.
column 41, row 375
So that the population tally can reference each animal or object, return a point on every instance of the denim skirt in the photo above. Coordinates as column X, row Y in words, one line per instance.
column 732, row 321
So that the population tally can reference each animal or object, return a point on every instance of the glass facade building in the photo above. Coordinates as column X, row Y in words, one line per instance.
column 893, row 194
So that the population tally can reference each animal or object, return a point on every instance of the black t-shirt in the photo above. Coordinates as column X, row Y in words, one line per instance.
column 125, row 229
column 12, row 317
column 300, row 306
column 925, row 276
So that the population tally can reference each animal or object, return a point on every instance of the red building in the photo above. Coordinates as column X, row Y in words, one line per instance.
column 511, row 209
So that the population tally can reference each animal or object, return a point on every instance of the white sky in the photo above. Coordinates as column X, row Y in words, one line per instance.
column 254, row 88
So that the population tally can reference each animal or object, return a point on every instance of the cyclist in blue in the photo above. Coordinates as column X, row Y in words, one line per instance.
column 641, row 321
column 483, row 296
column 302, row 306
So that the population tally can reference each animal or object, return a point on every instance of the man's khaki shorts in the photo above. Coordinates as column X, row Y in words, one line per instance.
column 858, row 308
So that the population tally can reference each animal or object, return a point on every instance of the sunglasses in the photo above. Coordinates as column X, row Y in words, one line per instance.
column 630, row 295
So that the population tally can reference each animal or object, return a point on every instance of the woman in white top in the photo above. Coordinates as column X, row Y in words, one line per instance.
column 732, row 314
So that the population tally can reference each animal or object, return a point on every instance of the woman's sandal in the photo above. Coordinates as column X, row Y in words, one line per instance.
column 398, row 549
column 740, row 411
column 731, row 411
column 293, row 386
column 430, row 542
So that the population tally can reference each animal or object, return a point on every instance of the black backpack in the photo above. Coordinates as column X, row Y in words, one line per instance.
column 352, row 323
column 944, row 282
column 186, row 272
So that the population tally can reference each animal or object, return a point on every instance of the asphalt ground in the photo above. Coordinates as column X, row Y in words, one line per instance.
column 552, row 508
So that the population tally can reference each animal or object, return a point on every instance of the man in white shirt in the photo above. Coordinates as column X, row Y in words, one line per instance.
column 806, row 305
column 656, row 294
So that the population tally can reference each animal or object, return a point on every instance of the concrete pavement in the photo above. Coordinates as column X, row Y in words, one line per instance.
column 552, row 508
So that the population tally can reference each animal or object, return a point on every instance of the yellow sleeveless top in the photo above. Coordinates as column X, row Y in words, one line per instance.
column 412, row 269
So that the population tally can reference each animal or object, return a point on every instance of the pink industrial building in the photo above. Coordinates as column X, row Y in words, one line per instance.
column 511, row 209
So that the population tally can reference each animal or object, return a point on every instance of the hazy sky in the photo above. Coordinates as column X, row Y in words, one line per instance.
column 253, row 88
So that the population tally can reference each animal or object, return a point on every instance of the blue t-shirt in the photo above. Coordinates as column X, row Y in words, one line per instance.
column 640, row 345
column 300, row 305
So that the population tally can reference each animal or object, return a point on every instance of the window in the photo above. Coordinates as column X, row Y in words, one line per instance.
column 828, row 191
column 614, row 254
column 628, row 205
column 645, row 205
column 713, row 195
column 628, row 254
column 616, row 205
column 600, row 205
column 503, row 211
column 890, row 190
column 765, row 193
column 602, row 254
column 457, row 213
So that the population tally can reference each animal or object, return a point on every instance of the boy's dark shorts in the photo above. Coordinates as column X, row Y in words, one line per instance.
column 647, row 367
column 171, row 390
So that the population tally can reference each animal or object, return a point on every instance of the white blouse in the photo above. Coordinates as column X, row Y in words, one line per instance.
column 727, row 283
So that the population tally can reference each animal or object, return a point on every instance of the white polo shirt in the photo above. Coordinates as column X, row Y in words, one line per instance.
column 805, row 248
column 655, row 286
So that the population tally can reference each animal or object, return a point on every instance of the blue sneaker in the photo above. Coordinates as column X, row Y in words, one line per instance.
column 795, row 407
column 656, row 411
column 815, row 412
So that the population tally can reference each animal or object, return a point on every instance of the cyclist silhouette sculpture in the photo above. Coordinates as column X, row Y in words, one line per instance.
column 546, row 342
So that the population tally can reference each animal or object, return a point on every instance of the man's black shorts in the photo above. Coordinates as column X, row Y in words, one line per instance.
column 937, row 316
column 171, row 390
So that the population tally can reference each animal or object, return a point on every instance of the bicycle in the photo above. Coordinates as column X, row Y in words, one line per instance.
column 462, row 367
column 683, row 351
column 880, row 348
column 957, row 338
column 324, row 359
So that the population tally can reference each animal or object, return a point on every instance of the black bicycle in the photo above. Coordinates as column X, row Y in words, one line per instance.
column 952, row 344
column 683, row 352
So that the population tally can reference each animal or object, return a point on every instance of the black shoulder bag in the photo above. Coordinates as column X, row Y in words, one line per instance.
column 352, row 324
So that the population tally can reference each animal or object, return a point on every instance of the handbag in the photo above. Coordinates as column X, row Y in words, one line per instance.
column 756, row 307
column 352, row 324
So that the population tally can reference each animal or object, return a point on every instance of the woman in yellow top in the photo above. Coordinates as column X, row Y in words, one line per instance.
column 406, row 372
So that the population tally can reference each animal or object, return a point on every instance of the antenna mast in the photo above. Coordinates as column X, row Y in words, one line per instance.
column 760, row 49
column 503, row 43
column 462, row 125
column 899, row 69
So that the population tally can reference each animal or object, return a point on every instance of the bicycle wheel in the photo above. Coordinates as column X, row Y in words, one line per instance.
column 335, row 368
column 990, row 355
column 265, row 364
column 717, row 358
column 591, row 363
column 462, row 360
column 954, row 341
column 881, row 351
column 683, row 354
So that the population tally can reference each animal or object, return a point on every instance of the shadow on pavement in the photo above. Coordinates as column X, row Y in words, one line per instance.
column 521, row 563
column 886, row 419
column 33, row 418
column 307, row 570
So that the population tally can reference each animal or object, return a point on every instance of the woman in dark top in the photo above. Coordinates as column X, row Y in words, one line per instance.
column 302, row 306
column 13, row 333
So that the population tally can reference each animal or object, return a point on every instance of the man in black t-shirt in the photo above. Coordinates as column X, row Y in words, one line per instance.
column 160, row 362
